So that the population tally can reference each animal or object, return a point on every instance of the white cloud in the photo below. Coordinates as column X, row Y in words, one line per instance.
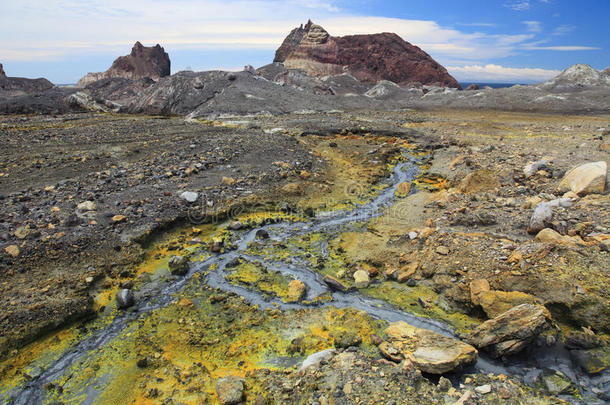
column 500, row 74
column 533, row 26
column 568, row 48
column 518, row 5
column 563, row 30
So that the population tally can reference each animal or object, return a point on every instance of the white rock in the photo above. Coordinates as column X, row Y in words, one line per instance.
column 316, row 358
column 361, row 277
column 585, row 179
column 483, row 389
column 189, row 196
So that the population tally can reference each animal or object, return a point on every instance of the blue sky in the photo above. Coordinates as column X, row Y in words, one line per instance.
column 477, row 40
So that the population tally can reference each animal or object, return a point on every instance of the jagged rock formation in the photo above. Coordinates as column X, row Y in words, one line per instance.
column 2, row 74
column 577, row 77
column 152, row 62
column 369, row 58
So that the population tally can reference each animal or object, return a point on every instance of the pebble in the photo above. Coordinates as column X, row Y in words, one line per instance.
column 442, row 250
column 189, row 196
column 483, row 389
column 125, row 298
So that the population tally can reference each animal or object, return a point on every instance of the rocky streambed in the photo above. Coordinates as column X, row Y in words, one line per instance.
column 288, row 268
column 366, row 298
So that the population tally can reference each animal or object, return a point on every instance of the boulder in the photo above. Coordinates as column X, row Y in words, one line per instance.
column 477, row 181
column 477, row 287
column 361, row 279
column 585, row 179
column 473, row 86
column 189, row 196
column 369, row 58
column 512, row 331
column 313, row 360
column 335, row 284
column 125, row 298
column 548, row 235
column 495, row 303
column 230, row 390
column 296, row 291
column 429, row 351
column 178, row 265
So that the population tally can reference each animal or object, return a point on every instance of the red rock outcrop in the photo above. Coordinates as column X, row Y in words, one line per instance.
column 152, row 62
column 369, row 58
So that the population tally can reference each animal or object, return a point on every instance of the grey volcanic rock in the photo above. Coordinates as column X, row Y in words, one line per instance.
column 577, row 77
column 210, row 94
column 19, row 86
column 2, row 74
column 369, row 58
column 152, row 62
column 119, row 90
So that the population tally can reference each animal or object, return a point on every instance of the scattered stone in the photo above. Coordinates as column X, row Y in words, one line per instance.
column 585, row 179
column 25, row 232
column 531, row 168
column 86, row 206
column 189, row 196
column 142, row 362
column 229, row 181
column 125, row 298
column 235, row 225
column 548, row 235
column 495, row 303
column 335, row 284
column 511, row 331
column 178, row 265
column 480, row 180
column 403, row 188
column 216, row 246
column 346, row 339
column 442, row 250
column 361, row 279
column 296, row 290
column 477, row 287
column 293, row 189
column 230, row 390
column 431, row 352
column 390, row 352
column 406, row 272
column 119, row 218
column 262, row 234
column 314, row 360
column 483, row 389
column 12, row 250
column 543, row 214
column 556, row 382
column 444, row 384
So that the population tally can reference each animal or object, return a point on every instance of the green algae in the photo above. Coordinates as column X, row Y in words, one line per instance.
column 419, row 300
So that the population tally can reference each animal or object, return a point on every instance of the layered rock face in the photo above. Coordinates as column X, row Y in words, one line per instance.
column 152, row 62
column 369, row 58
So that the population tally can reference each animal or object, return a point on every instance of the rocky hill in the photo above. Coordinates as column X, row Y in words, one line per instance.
column 578, row 77
column 11, row 87
column 369, row 58
column 152, row 62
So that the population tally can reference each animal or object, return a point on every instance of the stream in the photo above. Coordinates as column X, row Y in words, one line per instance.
column 214, row 273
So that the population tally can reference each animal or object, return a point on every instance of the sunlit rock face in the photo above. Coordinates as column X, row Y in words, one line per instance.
column 369, row 58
